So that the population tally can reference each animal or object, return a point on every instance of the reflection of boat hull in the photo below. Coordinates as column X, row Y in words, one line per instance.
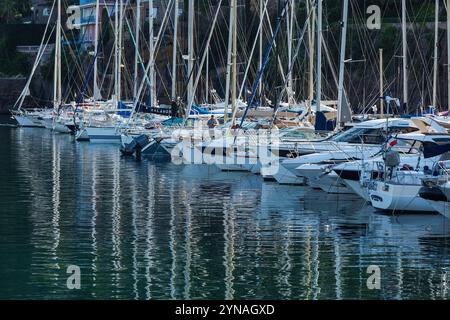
column 398, row 197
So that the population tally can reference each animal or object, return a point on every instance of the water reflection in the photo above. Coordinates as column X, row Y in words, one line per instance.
column 145, row 230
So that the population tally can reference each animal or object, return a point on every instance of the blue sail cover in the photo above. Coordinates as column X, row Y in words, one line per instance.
column 431, row 149
column 322, row 123
column 124, row 114
column 198, row 110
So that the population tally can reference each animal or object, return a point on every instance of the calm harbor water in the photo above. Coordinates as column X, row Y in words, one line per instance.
column 147, row 230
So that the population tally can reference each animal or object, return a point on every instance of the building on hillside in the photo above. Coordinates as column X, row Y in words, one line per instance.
column 88, row 18
column 40, row 11
column 87, row 30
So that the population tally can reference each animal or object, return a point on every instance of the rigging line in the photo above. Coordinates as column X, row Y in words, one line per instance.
column 203, row 60
column 88, row 76
column 141, row 62
column 149, row 64
column 39, row 55
column 265, row 60
column 368, row 49
column 297, row 50
column 251, row 54
column 78, row 66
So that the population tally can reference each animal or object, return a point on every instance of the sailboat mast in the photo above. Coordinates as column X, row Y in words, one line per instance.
column 381, row 83
column 405, row 58
column 96, row 92
column 319, row 55
column 174, row 53
column 311, row 32
column 448, row 53
column 119, row 58
column 57, row 70
column 290, row 32
column 207, row 76
column 234, row 58
column 229, row 60
column 152, row 54
column 341, row 96
column 261, row 17
column 190, row 90
column 136, row 52
column 116, row 51
column 436, row 44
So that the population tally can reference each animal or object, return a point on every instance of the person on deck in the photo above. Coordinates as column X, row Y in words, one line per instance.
column 212, row 122
column 174, row 109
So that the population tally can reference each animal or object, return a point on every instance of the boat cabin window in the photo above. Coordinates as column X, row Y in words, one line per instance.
column 395, row 130
column 361, row 135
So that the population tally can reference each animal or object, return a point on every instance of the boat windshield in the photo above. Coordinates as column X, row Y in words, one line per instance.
column 361, row 135
column 368, row 135
column 297, row 134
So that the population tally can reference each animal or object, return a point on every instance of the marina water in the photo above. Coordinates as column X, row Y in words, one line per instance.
column 155, row 230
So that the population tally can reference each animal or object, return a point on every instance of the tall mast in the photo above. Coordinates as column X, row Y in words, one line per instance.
column 319, row 55
column 381, row 83
column 261, row 17
column 207, row 76
column 311, row 33
column 448, row 53
column 234, row 58
column 436, row 43
column 97, row 94
column 57, row 96
column 405, row 58
column 152, row 54
column 229, row 59
column 341, row 93
column 190, row 89
column 290, row 32
column 116, row 51
column 136, row 52
column 119, row 58
column 174, row 53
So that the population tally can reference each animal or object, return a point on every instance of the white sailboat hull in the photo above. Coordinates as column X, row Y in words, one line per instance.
column 28, row 121
column 398, row 197
column 61, row 128
column 285, row 176
column 358, row 188
column 103, row 134
column 82, row 135
column 443, row 207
